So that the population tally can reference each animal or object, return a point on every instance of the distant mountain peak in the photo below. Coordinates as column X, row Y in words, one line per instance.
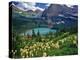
column 59, row 10
column 25, row 6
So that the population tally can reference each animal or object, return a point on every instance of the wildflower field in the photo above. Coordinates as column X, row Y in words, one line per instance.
column 52, row 44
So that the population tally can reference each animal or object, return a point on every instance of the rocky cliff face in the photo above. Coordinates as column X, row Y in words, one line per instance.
column 56, row 9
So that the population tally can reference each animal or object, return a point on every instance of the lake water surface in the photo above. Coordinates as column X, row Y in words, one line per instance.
column 41, row 31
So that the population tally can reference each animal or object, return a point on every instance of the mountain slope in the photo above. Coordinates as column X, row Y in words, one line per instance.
column 56, row 9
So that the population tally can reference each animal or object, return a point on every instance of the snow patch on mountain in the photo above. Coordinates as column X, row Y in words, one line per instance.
column 27, row 6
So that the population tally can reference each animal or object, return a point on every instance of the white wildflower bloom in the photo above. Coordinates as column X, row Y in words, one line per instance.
column 14, row 53
column 21, row 49
column 34, row 49
column 32, row 54
column 27, row 56
column 53, row 45
column 34, row 44
column 26, row 52
column 23, row 56
column 57, row 45
column 44, row 48
column 74, row 42
column 12, row 50
column 44, row 54
column 38, row 48
column 15, row 50
column 75, row 37
column 48, row 47
column 26, row 47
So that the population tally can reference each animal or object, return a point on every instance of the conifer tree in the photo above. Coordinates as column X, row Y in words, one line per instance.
column 33, row 33
column 38, row 36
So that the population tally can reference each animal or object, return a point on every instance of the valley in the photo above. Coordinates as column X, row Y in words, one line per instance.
column 37, row 32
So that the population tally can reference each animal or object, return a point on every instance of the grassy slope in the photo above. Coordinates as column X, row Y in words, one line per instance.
column 64, row 44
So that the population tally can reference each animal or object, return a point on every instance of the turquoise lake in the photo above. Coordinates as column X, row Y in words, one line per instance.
column 41, row 31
